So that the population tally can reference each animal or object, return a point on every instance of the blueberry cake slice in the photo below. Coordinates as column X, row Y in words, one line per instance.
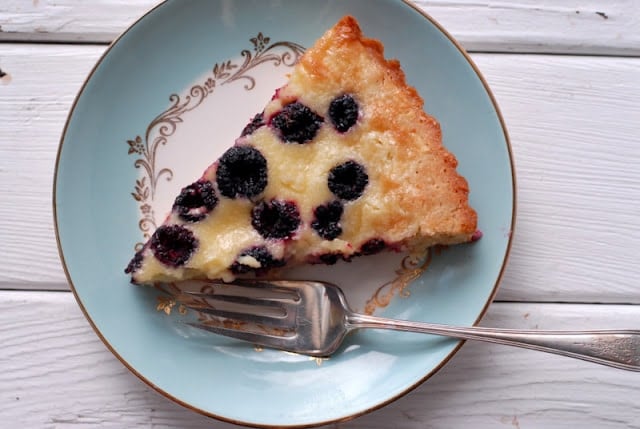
column 342, row 162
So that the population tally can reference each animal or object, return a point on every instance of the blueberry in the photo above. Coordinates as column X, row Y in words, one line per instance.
column 260, row 254
column 373, row 246
column 275, row 219
column 296, row 123
column 326, row 220
column 343, row 112
column 196, row 201
column 242, row 172
column 348, row 180
column 255, row 123
column 135, row 263
column 173, row 245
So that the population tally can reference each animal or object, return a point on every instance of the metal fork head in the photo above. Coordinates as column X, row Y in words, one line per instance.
column 302, row 317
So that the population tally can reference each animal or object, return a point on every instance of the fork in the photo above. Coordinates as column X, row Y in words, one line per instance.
column 313, row 318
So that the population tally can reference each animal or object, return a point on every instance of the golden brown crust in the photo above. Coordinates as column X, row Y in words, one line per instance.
column 429, row 169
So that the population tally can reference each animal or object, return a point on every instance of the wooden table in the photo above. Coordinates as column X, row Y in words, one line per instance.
column 567, row 77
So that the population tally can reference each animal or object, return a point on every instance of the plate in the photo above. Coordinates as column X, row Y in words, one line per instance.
column 167, row 98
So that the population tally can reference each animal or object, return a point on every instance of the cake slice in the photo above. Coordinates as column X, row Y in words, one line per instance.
column 342, row 162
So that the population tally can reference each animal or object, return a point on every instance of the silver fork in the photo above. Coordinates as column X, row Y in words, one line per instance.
column 313, row 318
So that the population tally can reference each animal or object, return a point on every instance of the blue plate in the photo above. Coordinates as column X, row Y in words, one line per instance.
column 166, row 99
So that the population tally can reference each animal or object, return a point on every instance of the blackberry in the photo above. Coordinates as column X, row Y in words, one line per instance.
column 343, row 112
column 242, row 172
column 260, row 254
column 296, row 123
column 373, row 246
column 329, row 258
column 196, row 201
column 255, row 123
column 275, row 219
column 326, row 220
column 173, row 245
column 135, row 263
column 348, row 180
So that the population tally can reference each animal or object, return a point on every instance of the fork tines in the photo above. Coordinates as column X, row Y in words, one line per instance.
column 278, row 339
column 247, row 302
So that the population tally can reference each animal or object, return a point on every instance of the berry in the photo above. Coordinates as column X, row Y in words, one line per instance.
column 242, row 172
column 260, row 254
column 343, row 112
column 195, row 201
column 329, row 258
column 135, row 263
column 327, row 220
column 173, row 245
column 373, row 246
column 255, row 123
column 348, row 180
column 296, row 123
column 275, row 219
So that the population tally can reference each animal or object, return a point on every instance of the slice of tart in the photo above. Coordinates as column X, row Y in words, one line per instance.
column 342, row 162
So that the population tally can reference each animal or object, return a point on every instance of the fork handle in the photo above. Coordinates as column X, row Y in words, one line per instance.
column 615, row 348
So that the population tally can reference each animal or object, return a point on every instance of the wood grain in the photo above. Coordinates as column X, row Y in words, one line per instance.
column 574, row 129
column 571, row 26
column 572, row 120
column 57, row 374
column 43, row 83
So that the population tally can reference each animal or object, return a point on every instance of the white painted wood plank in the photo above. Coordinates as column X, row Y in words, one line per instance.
column 574, row 128
column 35, row 96
column 576, row 26
column 57, row 374
column 568, row 26
column 69, row 20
